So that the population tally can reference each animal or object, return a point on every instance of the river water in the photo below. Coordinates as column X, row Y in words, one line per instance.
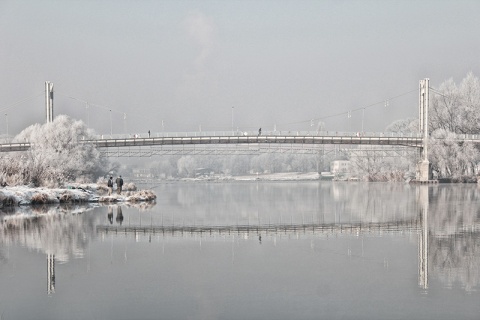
column 249, row 250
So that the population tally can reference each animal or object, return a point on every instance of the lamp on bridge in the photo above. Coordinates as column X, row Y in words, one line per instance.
column 232, row 119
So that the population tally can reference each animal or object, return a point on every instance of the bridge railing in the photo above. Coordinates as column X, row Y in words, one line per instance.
column 4, row 139
column 255, row 133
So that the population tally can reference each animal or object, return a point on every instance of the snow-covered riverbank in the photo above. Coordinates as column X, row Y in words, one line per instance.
column 24, row 195
column 286, row 176
column 283, row 176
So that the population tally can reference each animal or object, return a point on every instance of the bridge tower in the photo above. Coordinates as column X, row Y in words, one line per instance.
column 424, row 172
column 49, row 101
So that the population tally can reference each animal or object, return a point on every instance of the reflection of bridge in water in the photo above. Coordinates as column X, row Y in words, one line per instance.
column 413, row 225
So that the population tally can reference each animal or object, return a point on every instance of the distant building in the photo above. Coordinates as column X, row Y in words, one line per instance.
column 142, row 173
column 340, row 167
column 203, row 172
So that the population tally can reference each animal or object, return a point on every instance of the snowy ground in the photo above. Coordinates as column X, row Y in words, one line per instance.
column 24, row 195
column 284, row 176
column 288, row 176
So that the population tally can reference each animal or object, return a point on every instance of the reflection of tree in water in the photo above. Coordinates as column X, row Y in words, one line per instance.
column 61, row 231
column 3, row 257
column 454, row 247
column 376, row 202
column 452, row 207
column 456, row 260
column 317, row 201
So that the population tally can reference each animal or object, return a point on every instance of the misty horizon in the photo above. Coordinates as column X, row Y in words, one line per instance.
column 129, row 67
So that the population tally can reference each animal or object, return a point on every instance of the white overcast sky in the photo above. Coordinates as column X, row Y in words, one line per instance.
column 202, row 64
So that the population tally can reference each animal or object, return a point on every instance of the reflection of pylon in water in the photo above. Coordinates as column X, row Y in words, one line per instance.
column 50, row 273
column 423, row 239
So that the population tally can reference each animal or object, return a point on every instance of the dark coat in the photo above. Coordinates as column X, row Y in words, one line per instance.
column 119, row 181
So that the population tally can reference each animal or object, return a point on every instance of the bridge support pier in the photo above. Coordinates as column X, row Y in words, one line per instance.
column 424, row 171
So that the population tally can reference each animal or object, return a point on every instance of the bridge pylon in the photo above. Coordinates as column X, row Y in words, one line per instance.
column 48, row 101
column 424, row 170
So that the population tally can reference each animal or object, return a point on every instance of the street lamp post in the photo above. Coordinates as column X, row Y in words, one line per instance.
column 6, row 121
column 88, row 117
column 363, row 116
column 111, row 125
column 232, row 119
column 125, row 124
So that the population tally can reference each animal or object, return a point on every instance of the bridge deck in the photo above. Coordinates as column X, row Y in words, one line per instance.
column 215, row 140
column 402, row 141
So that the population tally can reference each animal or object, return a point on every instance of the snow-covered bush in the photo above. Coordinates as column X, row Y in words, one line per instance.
column 41, row 198
column 102, row 185
column 142, row 195
column 58, row 154
column 130, row 186
column 7, row 200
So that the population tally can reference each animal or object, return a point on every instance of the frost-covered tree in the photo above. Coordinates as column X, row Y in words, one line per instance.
column 238, row 164
column 381, row 163
column 58, row 154
column 186, row 166
column 454, row 110
column 404, row 126
column 450, row 158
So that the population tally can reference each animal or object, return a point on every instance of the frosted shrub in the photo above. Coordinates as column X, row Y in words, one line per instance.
column 83, row 179
column 7, row 201
column 41, row 198
column 66, row 197
column 130, row 187
column 143, row 195
column 102, row 189
column 102, row 185
column 102, row 181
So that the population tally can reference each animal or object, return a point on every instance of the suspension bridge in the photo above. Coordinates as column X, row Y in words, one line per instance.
column 252, row 141
column 215, row 138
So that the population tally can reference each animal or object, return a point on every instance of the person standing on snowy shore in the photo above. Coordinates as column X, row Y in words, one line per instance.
column 110, row 186
column 119, row 182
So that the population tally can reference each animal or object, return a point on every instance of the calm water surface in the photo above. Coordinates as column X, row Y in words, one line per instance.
column 266, row 250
